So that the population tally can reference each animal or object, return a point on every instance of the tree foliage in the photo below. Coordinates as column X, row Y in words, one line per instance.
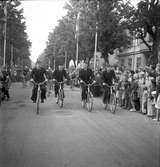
column 16, row 33
column 146, row 20
column 108, row 18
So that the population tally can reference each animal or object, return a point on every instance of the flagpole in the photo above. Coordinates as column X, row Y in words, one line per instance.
column 96, row 40
column 5, row 34
column 77, row 38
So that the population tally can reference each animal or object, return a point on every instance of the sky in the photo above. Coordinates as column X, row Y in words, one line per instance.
column 41, row 17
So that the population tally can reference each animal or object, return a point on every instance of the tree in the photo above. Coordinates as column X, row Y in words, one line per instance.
column 16, row 34
column 110, row 29
column 146, row 19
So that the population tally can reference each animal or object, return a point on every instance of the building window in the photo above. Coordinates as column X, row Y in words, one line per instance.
column 138, row 63
column 122, row 62
column 130, row 63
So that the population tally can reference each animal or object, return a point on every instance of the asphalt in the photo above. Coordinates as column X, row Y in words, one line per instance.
column 72, row 136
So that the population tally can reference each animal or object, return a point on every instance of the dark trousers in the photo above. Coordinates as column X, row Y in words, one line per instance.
column 84, row 92
column 34, row 92
column 106, row 95
column 56, row 88
column 6, row 92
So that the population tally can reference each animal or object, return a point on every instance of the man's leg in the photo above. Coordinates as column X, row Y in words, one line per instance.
column 56, row 87
column 34, row 93
column 43, row 93
column 84, row 93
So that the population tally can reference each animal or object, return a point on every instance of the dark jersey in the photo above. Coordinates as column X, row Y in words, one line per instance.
column 49, row 75
column 108, row 77
column 86, row 75
column 59, row 75
column 38, row 74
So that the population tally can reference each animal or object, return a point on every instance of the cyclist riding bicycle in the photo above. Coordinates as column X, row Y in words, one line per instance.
column 49, row 75
column 85, row 75
column 24, row 76
column 60, row 75
column 108, row 75
column 38, row 75
column 6, row 82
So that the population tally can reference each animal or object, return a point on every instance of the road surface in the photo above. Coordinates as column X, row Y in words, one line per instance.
column 73, row 137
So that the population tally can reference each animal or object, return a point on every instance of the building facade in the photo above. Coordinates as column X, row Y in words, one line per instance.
column 135, row 56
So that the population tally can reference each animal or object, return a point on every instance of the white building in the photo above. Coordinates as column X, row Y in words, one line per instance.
column 135, row 56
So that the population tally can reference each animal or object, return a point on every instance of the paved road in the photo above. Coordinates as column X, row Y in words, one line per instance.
column 73, row 137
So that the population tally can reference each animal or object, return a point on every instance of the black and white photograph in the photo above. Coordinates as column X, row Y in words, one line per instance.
column 79, row 83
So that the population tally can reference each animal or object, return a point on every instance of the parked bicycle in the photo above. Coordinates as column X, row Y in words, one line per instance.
column 112, row 98
column 38, row 95
column 88, row 103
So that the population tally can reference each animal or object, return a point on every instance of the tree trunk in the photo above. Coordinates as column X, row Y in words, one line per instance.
column 154, row 58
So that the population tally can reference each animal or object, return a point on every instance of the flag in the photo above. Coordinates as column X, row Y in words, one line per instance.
column 5, row 10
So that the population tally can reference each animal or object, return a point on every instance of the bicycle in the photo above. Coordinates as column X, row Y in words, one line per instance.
column 50, row 87
column 38, row 95
column 60, row 99
column 89, row 100
column 113, row 98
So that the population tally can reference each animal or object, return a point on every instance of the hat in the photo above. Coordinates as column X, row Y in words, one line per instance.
column 38, row 62
column 153, row 92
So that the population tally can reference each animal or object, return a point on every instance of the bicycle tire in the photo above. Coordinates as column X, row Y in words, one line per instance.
column 38, row 101
column 89, row 103
column 60, row 98
column 113, row 103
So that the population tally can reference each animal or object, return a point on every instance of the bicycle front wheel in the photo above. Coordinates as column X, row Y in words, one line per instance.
column 60, row 98
column 89, row 103
column 38, row 101
column 113, row 103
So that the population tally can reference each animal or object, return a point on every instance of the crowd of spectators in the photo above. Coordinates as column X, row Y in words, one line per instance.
column 137, row 91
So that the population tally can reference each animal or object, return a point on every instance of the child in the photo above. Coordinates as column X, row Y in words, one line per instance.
column 158, row 99
column 144, row 100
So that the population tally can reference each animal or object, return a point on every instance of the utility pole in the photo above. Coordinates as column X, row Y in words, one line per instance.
column 5, row 33
column 65, row 59
column 77, row 38
column 11, row 61
column 96, row 38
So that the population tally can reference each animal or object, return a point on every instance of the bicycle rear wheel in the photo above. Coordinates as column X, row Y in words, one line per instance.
column 113, row 103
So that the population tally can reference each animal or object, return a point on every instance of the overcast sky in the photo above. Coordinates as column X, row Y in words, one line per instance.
column 41, row 18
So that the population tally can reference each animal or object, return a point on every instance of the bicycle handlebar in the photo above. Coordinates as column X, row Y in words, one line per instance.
column 41, row 83
column 59, row 82
column 105, row 84
column 112, row 86
column 89, row 84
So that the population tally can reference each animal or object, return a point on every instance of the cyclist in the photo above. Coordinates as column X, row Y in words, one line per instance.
column 38, row 75
column 49, row 75
column 60, row 75
column 6, row 82
column 24, row 76
column 85, row 75
column 72, row 76
column 108, row 75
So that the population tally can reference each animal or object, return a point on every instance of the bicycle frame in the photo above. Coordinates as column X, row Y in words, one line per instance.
column 60, row 94
column 38, row 94
column 112, row 99
column 89, row 100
